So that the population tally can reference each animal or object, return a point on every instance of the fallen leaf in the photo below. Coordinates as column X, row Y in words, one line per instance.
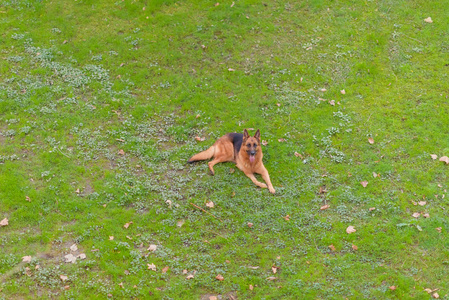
column 445, row 159
column 271, row 278
column 281, row 140
column 213, row 298
column 190, row 276
column 332, row 247
column 274, row 269
column 332, row 102
column 371, row 141
column 27, row 199
column 231, row 170
column 392, row 287
column 63, row 278
column 251, row 287
column 422, row 203
column 111, row 238
column 70, row 258
column 250, row 224
column 278, row 104
column 121, row 285
column 219, row 277
column 232, row 5
column 299, row 155
column 416, row 215
column 26, row 259
column 152, row 248
column 254, row 268
column 438, row 229
column 428, row 20
column 77, row 191
column 428, row 291
column 264, row 142
column 355, row 248
column 372, row 208
column 210, row 204
column 127, row 225
column 231, row 70
column 74, row 247
column 434, row 156
column 164, row 270
column 325, row 207
column 169, row 203
column 350, row 229
column 67, row 287
column 364, row 183
column 426, row 215
column 4, row 222
column 200, row 139
column 374, row 174
column 81, row 256
column 323, row 90
column 151, row 267
column 287, row 218
column 180, row 223
column 435, row 295
column 343, row 92
column 121, row 152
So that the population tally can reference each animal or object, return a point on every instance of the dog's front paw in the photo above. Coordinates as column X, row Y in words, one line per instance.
column 262, row 185
column 272, row 190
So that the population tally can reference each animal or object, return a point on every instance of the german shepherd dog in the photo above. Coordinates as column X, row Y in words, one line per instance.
column 242, row 149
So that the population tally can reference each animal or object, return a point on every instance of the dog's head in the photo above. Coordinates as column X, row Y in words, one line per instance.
column 251, row 144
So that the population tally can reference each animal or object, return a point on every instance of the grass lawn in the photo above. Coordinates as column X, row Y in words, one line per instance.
column 103, row 102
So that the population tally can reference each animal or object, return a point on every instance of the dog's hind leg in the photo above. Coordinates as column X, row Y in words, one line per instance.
column 215, row 161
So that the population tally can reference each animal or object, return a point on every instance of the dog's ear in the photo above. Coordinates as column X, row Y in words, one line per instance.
column 245, row 134
column 257, row 135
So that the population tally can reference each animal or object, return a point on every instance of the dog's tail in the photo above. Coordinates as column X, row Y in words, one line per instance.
column 207, row 154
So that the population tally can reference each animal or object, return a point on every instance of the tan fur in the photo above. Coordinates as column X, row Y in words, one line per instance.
column 223, row 151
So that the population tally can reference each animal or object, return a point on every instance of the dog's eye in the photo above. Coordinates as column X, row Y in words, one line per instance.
column 248, row 145
column 255, row 145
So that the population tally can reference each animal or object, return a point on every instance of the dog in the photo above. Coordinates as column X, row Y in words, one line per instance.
column 243, row 150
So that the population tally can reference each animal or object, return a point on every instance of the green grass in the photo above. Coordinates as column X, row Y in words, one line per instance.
column 82, row 80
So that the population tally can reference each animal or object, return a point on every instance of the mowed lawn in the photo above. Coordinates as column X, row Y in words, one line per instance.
column 103, row 102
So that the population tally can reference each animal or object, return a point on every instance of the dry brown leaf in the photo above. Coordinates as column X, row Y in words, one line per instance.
column 111, row 238
column 231, row 70
column 438, row 229
column 287, row 218
column 27, row 199
column 253, row 268
column 169, row 202
column 445, row 159
column 271, row 278
column 332, row 247
column 219, row 277
column 332, row 102
column 364, row 183
column 372, row 208
column 81, row 256
column 251, row 287
column 428, row 20
column 63, row 278
column 213, row 298
column 350, row 229
column 416, row 215
column 371, row 141
column 190, row 276
column 70, row 258
column 435, row 295
column 121, row 285
column 355, row 248
column 299, row 155
column 200, row 139
column 392, row 287
column 434, row 156
column 278, row 104
column 127, row 225
column 164, row 270
column 151, row 267
column 274, row 269
column 74, row 247
column 152, row 248
column 282, row 140
column 4, row 222
column 343, row 92
column 325, row 207
column 210, row 204
column 426, row 215
column 374, row 174
column 250, row 224
column 323, row 90
column 264, row 142
column 26, row 259
column 180, row 223
column 121, row 152
column 422, row 203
